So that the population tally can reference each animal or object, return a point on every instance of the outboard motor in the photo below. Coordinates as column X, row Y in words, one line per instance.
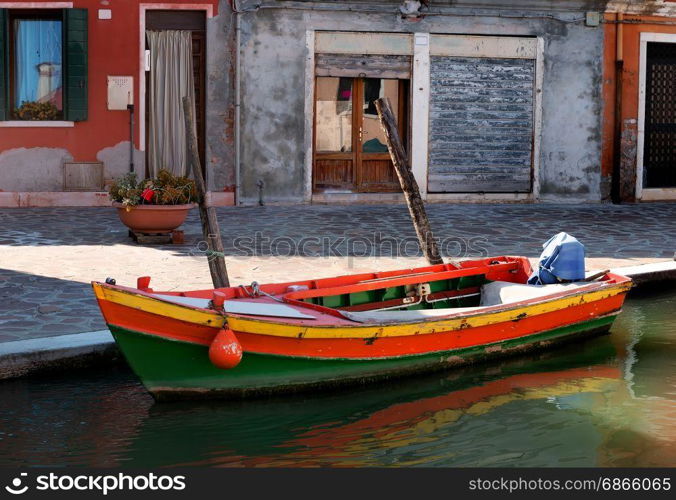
column 562, row 260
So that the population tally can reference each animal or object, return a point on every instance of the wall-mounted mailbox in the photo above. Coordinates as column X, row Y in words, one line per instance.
column 120, row 92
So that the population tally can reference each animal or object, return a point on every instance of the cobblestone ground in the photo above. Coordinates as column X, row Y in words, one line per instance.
column 48, row 256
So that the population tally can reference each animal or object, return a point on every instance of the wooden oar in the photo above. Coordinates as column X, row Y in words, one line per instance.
column 596, row 276
column 210, row 229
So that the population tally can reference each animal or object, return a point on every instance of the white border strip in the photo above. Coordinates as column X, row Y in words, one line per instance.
column 36, row 124
column 309, row 111
column 537, row 118
column 420, row 110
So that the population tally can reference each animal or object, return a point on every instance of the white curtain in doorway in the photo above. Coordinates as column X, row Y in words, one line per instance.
column 171, row 78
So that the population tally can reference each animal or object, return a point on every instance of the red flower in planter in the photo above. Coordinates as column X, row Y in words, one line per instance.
column 147, row 194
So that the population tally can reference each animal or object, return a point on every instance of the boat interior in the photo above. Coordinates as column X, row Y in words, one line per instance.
column 431, row 291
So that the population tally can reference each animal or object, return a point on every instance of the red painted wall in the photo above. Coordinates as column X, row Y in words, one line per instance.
column 113, row 50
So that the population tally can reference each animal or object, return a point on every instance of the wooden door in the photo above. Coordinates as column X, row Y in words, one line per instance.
column 350, row 152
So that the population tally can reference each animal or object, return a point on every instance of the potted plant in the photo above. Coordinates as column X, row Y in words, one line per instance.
column 154, row 205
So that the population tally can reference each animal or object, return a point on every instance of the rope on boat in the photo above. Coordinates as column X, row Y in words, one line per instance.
column 257, row 292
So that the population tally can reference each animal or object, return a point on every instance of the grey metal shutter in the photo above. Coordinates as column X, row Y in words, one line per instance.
column 481, row 124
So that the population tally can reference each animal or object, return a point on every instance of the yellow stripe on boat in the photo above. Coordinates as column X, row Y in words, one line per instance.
column 266, row 327
column 158, row 306
column 279, row 329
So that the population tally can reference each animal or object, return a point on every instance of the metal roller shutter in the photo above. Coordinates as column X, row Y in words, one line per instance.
column 481, row 124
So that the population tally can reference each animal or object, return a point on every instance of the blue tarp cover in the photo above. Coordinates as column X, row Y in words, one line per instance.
column 561, row 260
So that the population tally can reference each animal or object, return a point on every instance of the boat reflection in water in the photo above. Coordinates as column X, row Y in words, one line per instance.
column 608, row 401
column 480, row 416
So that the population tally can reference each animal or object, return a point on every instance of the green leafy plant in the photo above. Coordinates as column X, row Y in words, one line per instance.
column 165, row 189
column 34, row 111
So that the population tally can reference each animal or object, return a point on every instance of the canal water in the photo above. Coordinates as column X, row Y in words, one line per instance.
column 610, row 401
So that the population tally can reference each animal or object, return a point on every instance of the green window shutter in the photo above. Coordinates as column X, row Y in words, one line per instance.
column 4, row 62
column 75, row 64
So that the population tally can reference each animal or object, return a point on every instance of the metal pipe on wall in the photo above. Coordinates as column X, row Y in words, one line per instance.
column 237, row 14
column 616, row 184
column 130, row 107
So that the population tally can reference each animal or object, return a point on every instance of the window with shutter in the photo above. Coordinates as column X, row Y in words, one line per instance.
column 43, row 64
column 75, row 56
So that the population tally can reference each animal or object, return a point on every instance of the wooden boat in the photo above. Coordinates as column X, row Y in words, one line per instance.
column 247, row 340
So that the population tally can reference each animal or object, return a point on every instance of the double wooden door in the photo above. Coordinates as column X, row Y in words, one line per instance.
column 350, row 152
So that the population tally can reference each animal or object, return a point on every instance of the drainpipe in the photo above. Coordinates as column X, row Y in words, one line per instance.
column 130, row 107
column 237, row 101
column 616, row 190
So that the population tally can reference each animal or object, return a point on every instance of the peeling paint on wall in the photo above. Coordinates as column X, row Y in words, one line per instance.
column 115, row 160
column 33, row 169
column 220, row 109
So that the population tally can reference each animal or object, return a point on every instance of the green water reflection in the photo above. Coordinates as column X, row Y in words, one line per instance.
column 610, row 401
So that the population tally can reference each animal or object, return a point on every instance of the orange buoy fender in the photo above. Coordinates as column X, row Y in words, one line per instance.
column 225, row 351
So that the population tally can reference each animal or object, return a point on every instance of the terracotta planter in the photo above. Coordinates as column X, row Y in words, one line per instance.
column 153, row 219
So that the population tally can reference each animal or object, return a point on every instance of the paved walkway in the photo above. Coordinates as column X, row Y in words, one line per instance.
column 49, row 256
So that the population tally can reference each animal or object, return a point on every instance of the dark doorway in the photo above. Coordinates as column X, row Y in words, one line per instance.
column 659, row 150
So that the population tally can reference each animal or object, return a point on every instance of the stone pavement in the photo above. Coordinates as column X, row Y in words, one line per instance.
column 49, row 256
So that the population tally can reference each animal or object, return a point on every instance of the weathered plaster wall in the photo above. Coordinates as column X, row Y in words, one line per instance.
column 571, row 114
column 115, row 160
column 41, row 169
column 32, row 169
column 220, row 109
column 273, row 47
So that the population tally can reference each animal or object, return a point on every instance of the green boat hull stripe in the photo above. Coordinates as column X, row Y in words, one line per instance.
column 167, row 366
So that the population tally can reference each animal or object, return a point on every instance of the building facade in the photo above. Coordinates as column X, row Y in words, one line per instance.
column 639, row 131
column 496, row 100
column 72, row 73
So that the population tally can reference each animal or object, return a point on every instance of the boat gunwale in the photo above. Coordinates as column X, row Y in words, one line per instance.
column 583, row 290
column 409, row 273
column 432, row 323
column 621, row 283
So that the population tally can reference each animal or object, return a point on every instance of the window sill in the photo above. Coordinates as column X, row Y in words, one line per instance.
column 29, row 123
